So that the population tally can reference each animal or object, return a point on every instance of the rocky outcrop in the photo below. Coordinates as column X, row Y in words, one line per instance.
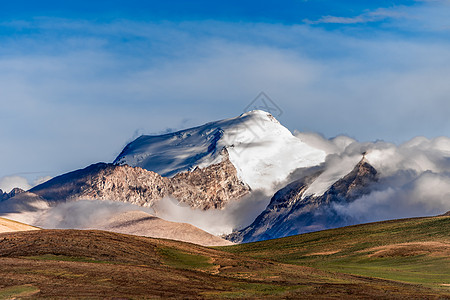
column 290, row 213
column 211, row 187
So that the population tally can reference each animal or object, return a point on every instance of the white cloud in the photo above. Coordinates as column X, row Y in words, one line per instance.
column 236, row 215
column 427, row 195
column 7, row 183
column 83, row 214
column 423, row 16
column 367, row 17
column 414, row 178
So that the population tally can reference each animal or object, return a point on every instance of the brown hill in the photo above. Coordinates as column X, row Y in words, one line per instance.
column 143, row 224
column 11, row 226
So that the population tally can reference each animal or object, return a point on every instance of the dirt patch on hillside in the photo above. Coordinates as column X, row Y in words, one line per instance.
column 438, row 249
column 323, row 253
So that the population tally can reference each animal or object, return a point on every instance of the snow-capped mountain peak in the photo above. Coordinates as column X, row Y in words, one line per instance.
column 262, row 150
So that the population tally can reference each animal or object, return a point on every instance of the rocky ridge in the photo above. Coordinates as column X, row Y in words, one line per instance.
column 210, row 187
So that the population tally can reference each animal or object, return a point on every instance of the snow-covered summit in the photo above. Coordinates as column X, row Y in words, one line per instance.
column 262, row 150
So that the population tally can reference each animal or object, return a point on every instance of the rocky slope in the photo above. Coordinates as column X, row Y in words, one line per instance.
column 210, row 187
column 290, row 213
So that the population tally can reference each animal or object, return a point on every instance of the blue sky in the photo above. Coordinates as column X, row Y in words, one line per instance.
column 286, row 12
column 80, row 79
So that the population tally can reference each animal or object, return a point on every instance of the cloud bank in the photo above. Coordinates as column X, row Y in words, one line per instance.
column 236, row 215
column 83, row 214
column 7, row 183
column 414, row 177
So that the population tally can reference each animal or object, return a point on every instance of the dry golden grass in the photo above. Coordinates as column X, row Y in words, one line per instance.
column 11, row 226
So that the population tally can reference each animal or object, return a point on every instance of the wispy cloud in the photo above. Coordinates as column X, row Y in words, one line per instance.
column 367, row 17
column 423, row 16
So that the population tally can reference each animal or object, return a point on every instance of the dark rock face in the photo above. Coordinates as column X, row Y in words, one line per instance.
column 14, row 192
column 289, row 214
column 355, row 184
column 211, row 187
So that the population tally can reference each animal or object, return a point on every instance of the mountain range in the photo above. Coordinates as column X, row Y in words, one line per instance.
column 249, row 165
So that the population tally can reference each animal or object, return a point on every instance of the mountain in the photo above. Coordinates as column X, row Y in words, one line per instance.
column 203, row 188
column 12, row 193
column 262, row 151
column 144, row 224
column 290, row 212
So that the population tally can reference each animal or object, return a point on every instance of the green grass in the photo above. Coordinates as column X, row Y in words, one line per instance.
column 352, row 246
column 247, row 290
column 429, row 271
column 17, row 291
column 182, row 260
